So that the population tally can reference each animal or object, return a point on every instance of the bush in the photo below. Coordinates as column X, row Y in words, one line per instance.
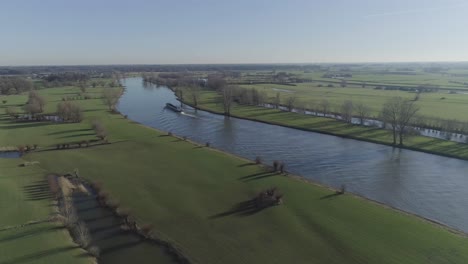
column 69, row 111
column 275, row 165
column 94, row 251
column 99, row 129
column 81, row 234
column 146, row 229
column 282, row 167
column 258, row 160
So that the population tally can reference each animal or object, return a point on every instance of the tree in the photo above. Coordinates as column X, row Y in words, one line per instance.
column 226, row 96
column 290, row 102
column 398, row 112
column 82, row 85
column 99, row 129
column 110, row 97
column 346, row 110
column 324, row 106
column 12, row 112
column 35, row 103
column 69, row 111
column 277, row 100
column 194, row 92
column 362, row 112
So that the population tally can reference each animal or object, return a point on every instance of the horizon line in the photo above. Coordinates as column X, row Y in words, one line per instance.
column 240, row 63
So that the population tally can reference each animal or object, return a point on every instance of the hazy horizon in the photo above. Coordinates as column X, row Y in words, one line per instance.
column 54, row 32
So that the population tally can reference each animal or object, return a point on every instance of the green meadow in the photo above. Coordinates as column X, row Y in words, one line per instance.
column 194, row 197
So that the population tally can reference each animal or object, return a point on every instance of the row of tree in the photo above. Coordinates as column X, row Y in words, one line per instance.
column 14, row 85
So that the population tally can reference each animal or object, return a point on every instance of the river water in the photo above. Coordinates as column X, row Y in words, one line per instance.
column 428, row 185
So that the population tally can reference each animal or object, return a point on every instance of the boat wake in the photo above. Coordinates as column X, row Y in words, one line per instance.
column 189, row 115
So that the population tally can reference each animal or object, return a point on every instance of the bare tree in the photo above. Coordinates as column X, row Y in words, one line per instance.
column 35, row 103
column 362, row 112
column 99, row 129
column 69, row 111
column 399, row 112
column 110, row 97
column 83, row 85
column 194, row 91
column 290, row 102
column 324, row 106
column 226, row 97
column 12, row 112
column 346, row 110
column 277, row 100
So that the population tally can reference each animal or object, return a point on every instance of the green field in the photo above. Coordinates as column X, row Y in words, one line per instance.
column 24, row 198
column 188, row 193
column 309, row 95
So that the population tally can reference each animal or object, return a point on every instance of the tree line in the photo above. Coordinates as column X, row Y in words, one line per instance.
column 14, row 85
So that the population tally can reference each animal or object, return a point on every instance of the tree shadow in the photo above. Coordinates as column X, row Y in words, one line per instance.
column 29, row 233
column 38, row 255
column 27, row 125
column 38, row 190
column 246, row 164
column 68, row 131
column 329, row 196
column 259, row 175
column 245, row 208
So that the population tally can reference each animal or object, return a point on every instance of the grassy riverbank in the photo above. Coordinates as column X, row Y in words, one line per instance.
column 192, row 195
column 209, row 101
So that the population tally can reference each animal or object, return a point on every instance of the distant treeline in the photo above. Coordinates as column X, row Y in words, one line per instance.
column 97, row 69
column 14, row 85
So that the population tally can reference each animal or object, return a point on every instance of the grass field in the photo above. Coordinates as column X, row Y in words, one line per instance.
column 309, row 95
column 188, row 193
column 24, row 198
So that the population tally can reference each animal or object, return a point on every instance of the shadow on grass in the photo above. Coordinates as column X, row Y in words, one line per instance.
column 38, row 255
column 27, row 125
column 38, row 190
column 246, row 164
column 245, row 208
column 69, row 131
column 259, row 175
column 78, row 135
column 30, row 233
column 329, row 196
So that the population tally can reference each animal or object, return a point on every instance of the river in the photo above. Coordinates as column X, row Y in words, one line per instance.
column 431, row 186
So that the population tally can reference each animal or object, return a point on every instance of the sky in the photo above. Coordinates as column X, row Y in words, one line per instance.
column 66, row 32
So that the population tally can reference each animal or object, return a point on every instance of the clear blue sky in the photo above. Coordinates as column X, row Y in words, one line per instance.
column 42, row 32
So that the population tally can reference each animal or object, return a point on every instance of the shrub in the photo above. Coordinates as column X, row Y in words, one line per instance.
column 258, row 160
column 69, row 111
column 99, row 129
column 275, row 165
column 94, row 251
column 281, row 167
column 146, row 229
column 81, row 234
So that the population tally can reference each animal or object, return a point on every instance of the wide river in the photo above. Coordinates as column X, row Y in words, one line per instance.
column 428, row 185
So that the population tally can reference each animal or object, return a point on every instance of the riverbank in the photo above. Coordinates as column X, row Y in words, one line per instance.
column 191, row 194
column 209, row 102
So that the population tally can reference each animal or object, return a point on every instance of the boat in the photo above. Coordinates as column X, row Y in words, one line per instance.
column 173, row 107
